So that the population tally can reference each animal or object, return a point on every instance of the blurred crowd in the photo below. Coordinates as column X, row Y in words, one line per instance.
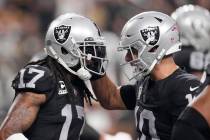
column 23, row 24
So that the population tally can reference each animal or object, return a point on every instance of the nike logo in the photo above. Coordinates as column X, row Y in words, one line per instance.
column 193, row 88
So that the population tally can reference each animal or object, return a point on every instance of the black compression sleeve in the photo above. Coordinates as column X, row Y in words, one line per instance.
column 182, row 131
column 89, row 133
column 191, row 125
column 128, row 96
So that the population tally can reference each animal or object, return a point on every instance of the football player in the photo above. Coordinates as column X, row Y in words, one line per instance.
column 193, row 21
column 194, row 26
column 162, row 89
column 194, row 121
column 49, row 99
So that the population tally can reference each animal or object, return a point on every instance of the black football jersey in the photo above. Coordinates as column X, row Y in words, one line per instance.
column 192, row 60
column 61, row 117
column 159, row 103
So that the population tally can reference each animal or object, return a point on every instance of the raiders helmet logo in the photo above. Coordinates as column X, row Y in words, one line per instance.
column 61, row 33
column 150, row 35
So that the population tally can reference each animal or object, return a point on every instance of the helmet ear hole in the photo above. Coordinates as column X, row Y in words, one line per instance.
column 49, row 42
column 64, row 51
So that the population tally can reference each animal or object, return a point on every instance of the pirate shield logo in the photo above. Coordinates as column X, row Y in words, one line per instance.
column 150, row 35
column 61, row 33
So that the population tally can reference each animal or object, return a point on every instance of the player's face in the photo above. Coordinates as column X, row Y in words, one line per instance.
column 132, row 54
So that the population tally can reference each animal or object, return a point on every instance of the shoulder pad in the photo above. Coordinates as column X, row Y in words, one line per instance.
column 34, row 78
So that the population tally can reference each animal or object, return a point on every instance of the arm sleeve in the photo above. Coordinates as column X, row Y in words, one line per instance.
column 191, row 125
column 128, row 95
column 183, row 94
column 34, row 78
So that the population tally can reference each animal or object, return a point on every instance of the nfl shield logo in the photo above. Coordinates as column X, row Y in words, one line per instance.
column 61, row 33
column 150, row 35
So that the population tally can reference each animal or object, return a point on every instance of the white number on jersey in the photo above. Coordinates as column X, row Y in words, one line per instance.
column 149, row 116
column 31, row 83
column 67, row 112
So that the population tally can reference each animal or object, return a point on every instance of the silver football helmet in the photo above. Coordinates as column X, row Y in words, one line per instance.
column 194, row 24
column 153, row 35
column 74, row 40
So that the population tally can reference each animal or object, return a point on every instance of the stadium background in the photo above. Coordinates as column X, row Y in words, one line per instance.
column 23, row 24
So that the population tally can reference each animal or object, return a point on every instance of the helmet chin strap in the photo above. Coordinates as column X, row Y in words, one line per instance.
column 82, row 73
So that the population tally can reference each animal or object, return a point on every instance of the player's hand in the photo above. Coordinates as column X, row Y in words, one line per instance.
column 96, row 76
column 95, row 67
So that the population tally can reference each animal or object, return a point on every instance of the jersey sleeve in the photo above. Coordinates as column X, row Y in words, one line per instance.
column 34, row 78
column 184, row 92
column 128, row 95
